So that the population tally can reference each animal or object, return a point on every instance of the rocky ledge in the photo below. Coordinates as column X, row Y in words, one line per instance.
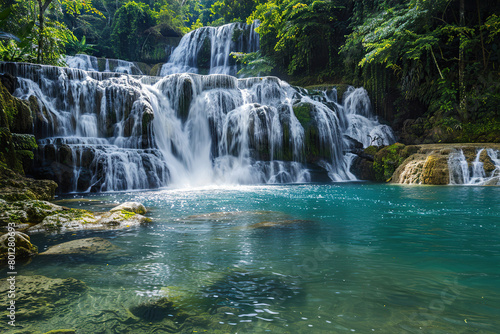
column 15, row 187
column 431, row 164
column 34, row 216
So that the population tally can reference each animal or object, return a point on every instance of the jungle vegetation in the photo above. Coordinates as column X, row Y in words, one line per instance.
column 430, row 66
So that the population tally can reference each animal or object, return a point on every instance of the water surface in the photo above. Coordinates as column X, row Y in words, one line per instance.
column 293, row 259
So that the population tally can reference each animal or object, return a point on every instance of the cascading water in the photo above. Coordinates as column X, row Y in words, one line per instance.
column 91, row 63
column 475, row 173
column 104, row 131
column 207, row 50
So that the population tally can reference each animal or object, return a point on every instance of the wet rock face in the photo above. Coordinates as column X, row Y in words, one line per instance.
column 15, row 187
column 39, row 296
column 441, row 164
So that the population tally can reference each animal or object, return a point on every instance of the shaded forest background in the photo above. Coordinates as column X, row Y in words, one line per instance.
column 431, row 67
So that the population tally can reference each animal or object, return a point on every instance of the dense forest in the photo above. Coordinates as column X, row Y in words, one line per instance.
column 431, row 67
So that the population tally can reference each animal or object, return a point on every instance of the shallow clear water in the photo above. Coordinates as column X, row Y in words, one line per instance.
column 327, row 259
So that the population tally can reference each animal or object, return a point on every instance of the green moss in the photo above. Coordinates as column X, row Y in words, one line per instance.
column 156, row 69
column 387, row 160
column 204, row 55
column 303, row 113
column 371, row 150
column 127, row 214
column 24, row 141
column 237, row 33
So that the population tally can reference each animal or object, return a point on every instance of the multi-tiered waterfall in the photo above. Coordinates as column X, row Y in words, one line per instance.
column 101, row 131
column 208, row 50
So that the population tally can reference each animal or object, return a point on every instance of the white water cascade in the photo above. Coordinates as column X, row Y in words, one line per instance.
column 106, row 131
column 475, row 173
column 91, row 63
column 207, row 50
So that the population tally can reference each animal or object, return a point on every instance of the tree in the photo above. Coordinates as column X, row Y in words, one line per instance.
column 131, row 21
column 72, row 7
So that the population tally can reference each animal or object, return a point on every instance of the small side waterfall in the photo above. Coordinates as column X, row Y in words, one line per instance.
column 484, row 169
column 207, row 50
column 101, row 131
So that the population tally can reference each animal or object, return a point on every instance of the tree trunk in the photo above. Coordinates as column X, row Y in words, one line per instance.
column 42, row 7
column 39, row 57
column 461, row 64
column 481, row 34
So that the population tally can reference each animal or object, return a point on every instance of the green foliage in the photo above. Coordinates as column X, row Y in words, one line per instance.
column 254, row 64
column 76, row 46
column 387, row 160
column 300, row 35
column 128, row 32
column 232, row 10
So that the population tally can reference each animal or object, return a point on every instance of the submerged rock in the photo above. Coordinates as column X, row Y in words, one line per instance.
column 39, row 296
column 289, row 223
column 155, row 310
column 88, row 246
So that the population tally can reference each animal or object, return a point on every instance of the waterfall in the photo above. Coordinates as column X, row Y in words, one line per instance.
column 91, row 63
column 207, row 50
column 103, row 131
column 484, row 169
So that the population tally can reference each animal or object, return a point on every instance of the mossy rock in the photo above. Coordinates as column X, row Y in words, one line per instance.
column 387, row 160
column 303, row 111
column 143, row 67
column 371, row 150
column 436, row 170
column 15, row 187
column 15, row 114
column 133, row 207
column 155, row 310
column 24, row 248
column 69, row 220
column 488, row 164
column 8, row 155
column 204, row 55
column 156, row 70
column 36, row 211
